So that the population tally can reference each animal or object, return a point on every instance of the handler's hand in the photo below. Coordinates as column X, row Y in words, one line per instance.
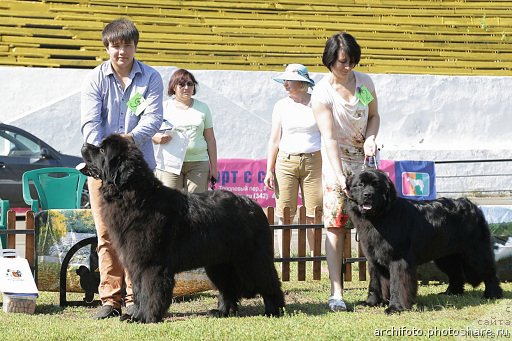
column 213, row 174
column 128, row 136
column 161, row 138
column 343, row 185
column 269, row 180
column 370, row 147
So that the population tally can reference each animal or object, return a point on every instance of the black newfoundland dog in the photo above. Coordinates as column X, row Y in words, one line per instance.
column 159, row 231
column 397, row 235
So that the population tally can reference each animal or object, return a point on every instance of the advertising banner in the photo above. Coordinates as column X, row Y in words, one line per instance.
column 413, row 179
column 245, row 177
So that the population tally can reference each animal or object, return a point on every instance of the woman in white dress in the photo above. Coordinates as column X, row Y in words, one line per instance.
column 346, row 111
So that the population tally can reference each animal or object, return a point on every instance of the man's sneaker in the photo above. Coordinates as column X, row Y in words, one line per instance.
column 130, row 310
column 106, row 312
column 337, row 304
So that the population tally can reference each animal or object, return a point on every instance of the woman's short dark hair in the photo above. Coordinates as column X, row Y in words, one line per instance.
column 120, row 30
column 181, row 76
column 341, row 42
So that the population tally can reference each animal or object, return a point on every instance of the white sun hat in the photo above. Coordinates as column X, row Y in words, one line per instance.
column 295, row 72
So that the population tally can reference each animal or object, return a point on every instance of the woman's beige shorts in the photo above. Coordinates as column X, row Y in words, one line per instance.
column 298, row 170
column 192, row 179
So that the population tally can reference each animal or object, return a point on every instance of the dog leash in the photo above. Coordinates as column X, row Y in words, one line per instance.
column 372, row 161
column 213, row 181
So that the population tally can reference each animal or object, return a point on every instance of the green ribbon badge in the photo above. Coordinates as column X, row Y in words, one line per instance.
column 134, row 102
column 137, row 104
column 364, row 95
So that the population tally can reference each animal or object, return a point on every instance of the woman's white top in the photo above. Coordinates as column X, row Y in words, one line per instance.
column 299, row 132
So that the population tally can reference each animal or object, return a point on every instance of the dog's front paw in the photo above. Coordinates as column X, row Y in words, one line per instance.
column 394, row 309
column 493, row 292
column 225, row 308
column 214, row 313
column 223, row 313
column 373, row 301
column 275, row 312
column 139, row 318
column 218, row 313
column 129, row 313
column 453, row 290
column 127, row 318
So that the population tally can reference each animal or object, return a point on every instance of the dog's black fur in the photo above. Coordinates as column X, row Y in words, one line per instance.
column 397, row 234
column 158, row 232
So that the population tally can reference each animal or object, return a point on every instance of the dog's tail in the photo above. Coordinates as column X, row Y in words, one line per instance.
column 478, row 262
column 259, row 224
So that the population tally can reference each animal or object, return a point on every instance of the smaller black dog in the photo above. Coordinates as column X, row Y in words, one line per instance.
column 397, row 235
column 89, row 281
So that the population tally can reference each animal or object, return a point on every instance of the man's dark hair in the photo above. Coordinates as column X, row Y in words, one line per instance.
column 120, row 30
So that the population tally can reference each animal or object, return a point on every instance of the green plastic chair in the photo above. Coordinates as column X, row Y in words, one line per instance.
column 57, row 187
column 4, row 207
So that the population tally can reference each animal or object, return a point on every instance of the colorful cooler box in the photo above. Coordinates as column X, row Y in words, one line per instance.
column 17, row 285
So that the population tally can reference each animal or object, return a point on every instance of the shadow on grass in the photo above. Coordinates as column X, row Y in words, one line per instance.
column 49, row 309
column 311, row 309
column 55, row 309
column 194, row 296
column 296, row 298
column 200, row 305
column 441, row 301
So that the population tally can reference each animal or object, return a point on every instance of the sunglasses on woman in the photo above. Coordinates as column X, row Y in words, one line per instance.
column 189, row 84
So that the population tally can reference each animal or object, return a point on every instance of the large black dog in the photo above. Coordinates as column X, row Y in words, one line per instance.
column 397, row 234
column 159, row 231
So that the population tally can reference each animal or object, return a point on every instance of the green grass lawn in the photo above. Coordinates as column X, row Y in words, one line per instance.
column 306, row 318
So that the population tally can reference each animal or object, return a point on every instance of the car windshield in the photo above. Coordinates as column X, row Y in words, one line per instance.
column 17, row 145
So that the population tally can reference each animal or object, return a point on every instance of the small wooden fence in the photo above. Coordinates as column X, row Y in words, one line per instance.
column 316, row 258
column 288, row 228
column 29, row 232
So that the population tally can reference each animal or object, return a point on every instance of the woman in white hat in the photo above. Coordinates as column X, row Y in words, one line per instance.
column 293, row 159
